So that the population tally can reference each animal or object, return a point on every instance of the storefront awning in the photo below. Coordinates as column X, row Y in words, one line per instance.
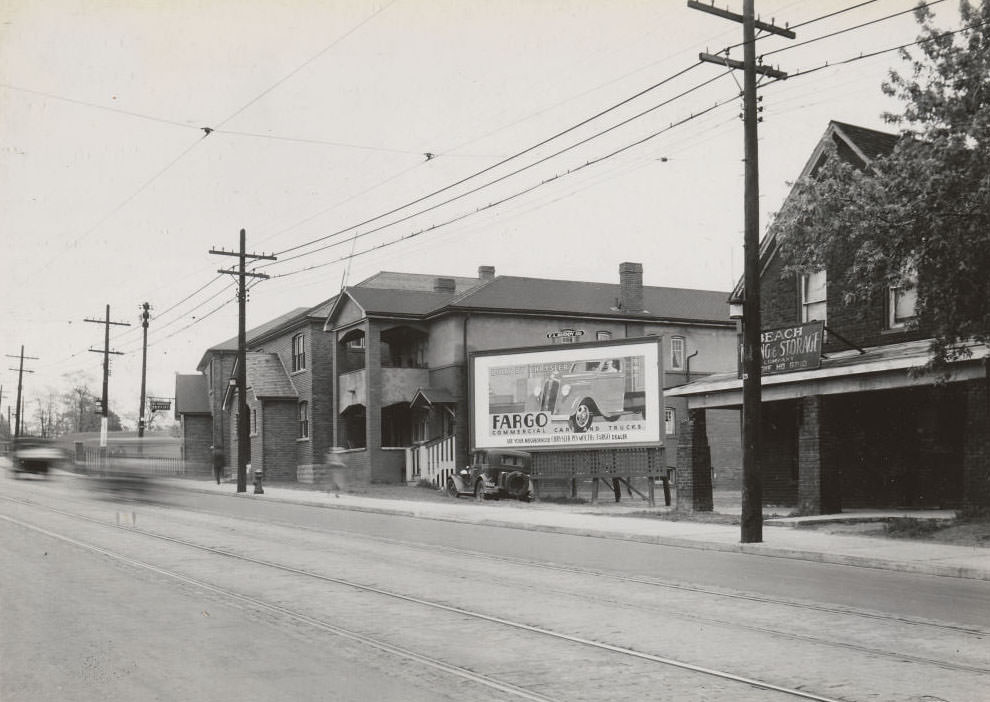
column 879, row 368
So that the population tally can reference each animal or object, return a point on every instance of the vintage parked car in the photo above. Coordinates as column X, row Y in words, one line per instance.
column 494, row 473
column 32, row 454
column 590, row 389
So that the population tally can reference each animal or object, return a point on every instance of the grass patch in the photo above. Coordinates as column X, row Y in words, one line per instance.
column 563, row 500
column 425, row 483
column 911, row 528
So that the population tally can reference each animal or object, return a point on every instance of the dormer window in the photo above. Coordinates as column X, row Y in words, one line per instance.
column 814, row 296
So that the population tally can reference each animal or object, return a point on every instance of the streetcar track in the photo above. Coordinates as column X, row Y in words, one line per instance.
column 692, row 617
column 576, row 570
column 385, row 646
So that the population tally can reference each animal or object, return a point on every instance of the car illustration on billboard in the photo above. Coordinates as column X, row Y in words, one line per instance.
column 599, row 393
column 589, row 389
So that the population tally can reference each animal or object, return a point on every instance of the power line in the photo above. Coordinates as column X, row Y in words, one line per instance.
column 296, row 70
column 493, row 166
column 496, row 180
column 511, row 197
column 847, row 29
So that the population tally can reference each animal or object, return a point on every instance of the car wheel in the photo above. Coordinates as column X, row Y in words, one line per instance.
column 451, row 488
column 582, row 417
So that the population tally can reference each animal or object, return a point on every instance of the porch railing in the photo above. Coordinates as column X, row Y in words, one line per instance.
column 432, row 460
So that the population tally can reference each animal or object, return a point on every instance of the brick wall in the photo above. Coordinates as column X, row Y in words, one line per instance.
column 976, row 448
column 863, row 323
column 275, row 444
column 197, row 437
column 694, row 474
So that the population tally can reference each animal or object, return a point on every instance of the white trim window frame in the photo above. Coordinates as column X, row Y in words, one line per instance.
column 298, row 352
column 678, row 347
column 669, row 420
column 902, row 303
column 814, row 296
column 303, row 420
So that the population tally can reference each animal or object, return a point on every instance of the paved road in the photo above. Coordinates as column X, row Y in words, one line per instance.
column 211, row 597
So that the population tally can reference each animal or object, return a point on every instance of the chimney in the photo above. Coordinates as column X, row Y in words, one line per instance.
column 486, row 273
column 631, row 287
column 444, row 285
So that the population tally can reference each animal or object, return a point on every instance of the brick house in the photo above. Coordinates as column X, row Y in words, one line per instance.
column 403, row 342
column 864, row 429
column 289, row 388
column 377, row 374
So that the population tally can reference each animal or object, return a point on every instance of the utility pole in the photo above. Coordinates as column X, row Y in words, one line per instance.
column 243, row 422
column 751, row 523
column 144, row 365
column 105, row 409
column 20, row 383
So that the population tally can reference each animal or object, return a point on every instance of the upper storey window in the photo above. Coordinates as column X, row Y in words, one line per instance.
column 902, row 303
column 299, row 352
column 677, row 353
column 814, row 296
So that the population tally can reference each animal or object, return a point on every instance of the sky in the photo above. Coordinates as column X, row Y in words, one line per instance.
column 546, row 138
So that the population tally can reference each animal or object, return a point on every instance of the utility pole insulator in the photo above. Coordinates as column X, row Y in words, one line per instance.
column 751, row 522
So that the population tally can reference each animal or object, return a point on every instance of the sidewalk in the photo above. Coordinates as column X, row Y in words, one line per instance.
column 782, row 538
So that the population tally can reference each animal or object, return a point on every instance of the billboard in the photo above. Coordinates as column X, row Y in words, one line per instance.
column 589, row 395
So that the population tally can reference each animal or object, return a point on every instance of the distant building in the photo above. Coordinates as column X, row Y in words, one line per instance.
column 862, row 429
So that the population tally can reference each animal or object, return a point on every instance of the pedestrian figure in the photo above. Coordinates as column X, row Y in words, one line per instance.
column 218, row 463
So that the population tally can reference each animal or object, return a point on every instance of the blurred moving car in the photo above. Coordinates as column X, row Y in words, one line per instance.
column 32, row 454
column 494, row 473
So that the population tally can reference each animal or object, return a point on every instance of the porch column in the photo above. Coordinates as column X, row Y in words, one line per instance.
column 818, row 487
column 694, row 464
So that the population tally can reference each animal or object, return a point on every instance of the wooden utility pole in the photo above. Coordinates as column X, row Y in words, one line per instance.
column 144, row 366
column 752, row 492
column 243, row 422
column 105, row 402
column 19, row 406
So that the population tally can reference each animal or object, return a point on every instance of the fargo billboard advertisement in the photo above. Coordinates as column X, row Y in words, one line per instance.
column 583, row 395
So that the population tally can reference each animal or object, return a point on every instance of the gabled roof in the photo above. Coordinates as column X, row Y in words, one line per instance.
column 576, row 298
column 377, row 302
column 273, row 326
column 191, row 394
column 267, row 377
column 860, row 145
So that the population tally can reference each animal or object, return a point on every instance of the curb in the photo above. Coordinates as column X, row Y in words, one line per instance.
column 671, row 541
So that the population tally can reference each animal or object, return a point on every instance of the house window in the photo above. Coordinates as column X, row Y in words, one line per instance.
column 669, row 420
column 254, row 421
column 299, row 352
column 356, row 344
column 303, row 420
column 901, row 305
column 603, row 336
column 677, row 353
column 814, row 296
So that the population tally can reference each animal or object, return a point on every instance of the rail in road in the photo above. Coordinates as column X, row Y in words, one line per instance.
column 525, row 629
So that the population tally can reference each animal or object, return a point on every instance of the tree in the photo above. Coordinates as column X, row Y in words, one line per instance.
column 920, row 216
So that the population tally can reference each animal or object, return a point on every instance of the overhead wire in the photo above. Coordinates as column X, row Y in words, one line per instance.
column 493, row 166
column 862, row 56
column 515, row 195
